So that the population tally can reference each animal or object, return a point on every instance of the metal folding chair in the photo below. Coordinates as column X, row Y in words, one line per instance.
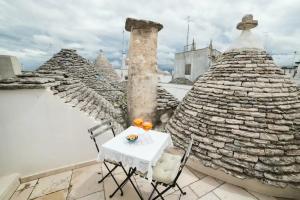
column 174, row 183
column 95, row 132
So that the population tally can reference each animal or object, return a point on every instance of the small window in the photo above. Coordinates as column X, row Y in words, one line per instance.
column 187, row 69
column 126, row 77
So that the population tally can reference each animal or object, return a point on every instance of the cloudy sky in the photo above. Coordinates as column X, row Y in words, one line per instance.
column 33, row 30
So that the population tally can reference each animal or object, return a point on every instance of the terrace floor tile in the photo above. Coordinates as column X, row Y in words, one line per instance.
column 27, row 185
column 59, row 195
column 204, row 186
column 94, row 196
column 186, row 178
column 51, row 184
column 85, row 181
column 190, row 195
column 231, row 192
column 22, row 194
column 209, row 196
column 82, row 184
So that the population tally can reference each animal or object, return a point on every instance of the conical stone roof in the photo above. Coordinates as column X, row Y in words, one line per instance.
column 103, row 66
column 245, row 116
column 73, row 65
column 68, row 60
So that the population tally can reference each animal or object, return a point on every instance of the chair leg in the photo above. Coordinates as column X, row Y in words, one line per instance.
column 160, row 194
column 131, row 171
column 154, row 189
column 110, row 173
column 182, row 192
column 123, row 183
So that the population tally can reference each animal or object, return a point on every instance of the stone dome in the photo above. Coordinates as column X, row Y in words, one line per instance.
column 245, row 116
column 104, row 67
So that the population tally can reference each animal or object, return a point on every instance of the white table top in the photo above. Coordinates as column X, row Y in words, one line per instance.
column 141, row 154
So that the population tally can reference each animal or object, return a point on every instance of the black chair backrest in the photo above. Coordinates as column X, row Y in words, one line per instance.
column 100, row 129
column 187, row 151
column 184, row 158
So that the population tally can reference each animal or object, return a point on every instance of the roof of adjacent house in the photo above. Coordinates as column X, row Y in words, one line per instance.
column 182, row 80
column 78, row 83
column 103, row 66
column 68, row 61
column 27, row 80
column 78, row 68
column 165, row 100
column 245, row 116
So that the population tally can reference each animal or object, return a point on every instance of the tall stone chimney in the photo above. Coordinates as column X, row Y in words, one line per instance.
column 9, row 67
column 142, row 69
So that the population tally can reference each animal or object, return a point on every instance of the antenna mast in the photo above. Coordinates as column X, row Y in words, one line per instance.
column 123, row 65
column 123, row 44
column 188, row 32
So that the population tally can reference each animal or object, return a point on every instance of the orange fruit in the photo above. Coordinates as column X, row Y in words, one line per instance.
column 147, row 126
column 138, row 122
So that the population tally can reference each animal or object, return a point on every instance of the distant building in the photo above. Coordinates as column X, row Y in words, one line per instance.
column 290, row 70
column 194, row 62
column 293, row 71
column 297, row 73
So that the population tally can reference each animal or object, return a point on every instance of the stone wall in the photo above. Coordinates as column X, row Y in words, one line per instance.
column 245, row 115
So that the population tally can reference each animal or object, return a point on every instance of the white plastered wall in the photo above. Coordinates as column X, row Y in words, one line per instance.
column 177, row 90
column 199, row 63
column 39, row 132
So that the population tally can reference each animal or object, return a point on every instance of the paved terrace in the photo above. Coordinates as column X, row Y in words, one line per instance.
column 81, row 184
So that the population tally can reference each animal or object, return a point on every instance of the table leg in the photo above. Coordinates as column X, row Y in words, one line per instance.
column 128, row 178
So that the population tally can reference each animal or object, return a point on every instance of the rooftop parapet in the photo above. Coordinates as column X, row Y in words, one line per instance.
column 9, row 67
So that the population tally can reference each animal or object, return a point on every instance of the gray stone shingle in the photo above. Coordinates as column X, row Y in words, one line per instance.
column 246, row 102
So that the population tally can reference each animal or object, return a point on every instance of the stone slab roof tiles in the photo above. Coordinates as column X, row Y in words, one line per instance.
column 245, row 115
column 103, row 67
column 182, row 81
column 165, row 100
column 76, row 93
column 77, row 67
column 28, row 80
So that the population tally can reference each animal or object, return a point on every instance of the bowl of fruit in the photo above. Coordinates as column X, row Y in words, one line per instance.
column 132, row 137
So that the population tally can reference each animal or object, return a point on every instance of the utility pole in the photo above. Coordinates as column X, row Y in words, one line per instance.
column 188, row 32
column 123, row 52
column 123, row 43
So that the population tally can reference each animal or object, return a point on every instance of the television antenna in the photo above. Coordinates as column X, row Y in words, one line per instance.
column 188, row 19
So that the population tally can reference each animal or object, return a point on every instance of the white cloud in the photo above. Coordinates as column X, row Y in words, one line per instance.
column 24, row 53
column 46, row 26
column 43, row 39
